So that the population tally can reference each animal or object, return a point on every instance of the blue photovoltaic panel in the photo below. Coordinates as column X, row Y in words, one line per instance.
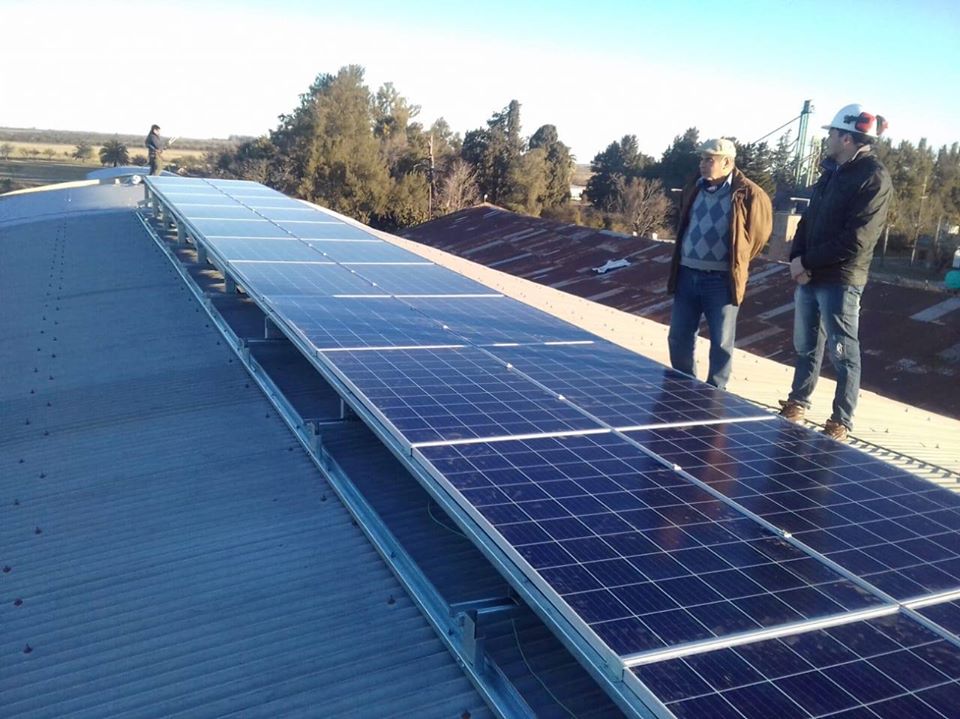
column 488, row 320
column 421, row 280
column 190, row 195
column 351, row 252
column 625, row 389
column 331, row 323
column 279, row 249
column 433, row 395
column 219, row 212
column 322, row 229
column 293, row 215
column 238, row 228
column 885, row 668
column 272, row 279
column 897, row 531
column 640, row 554
column 945, row 614
column 203, row 204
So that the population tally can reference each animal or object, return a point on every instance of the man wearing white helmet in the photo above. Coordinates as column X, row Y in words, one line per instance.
column 725, row 220
column 830, row 260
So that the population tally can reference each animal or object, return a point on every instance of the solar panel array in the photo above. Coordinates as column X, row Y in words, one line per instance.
column 729, row 563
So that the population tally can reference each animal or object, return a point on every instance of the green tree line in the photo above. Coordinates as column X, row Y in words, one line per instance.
column 364, row 153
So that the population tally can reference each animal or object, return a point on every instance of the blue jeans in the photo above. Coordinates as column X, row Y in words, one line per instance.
column 703, row 293
column 828, row 315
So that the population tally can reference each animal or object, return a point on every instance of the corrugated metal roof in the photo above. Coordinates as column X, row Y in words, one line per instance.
column 168, row 549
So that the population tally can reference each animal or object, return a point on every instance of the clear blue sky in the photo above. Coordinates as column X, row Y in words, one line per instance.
column 597, row 70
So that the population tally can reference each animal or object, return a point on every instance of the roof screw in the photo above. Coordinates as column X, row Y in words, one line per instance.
column 27, row 649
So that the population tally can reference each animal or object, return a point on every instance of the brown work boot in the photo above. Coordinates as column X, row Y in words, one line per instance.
column 835, row 430
column 792, row 410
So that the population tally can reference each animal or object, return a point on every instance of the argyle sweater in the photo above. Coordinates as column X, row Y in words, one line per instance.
column 706, row 243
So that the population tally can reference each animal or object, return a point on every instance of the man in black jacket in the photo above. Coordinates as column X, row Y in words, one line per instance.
column 154, row 149
column 830, row 260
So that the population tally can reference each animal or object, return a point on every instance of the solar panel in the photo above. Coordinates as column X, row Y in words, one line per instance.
column 276, row 250
column 890, row 667
column 623, row 389
column 324, row 230
column 330, row 323
column 253, row 228
column 488, row 320
column 638, row 553
column 270, row 279
column 356, row 252
column 220, row 212
column 896, row 531
column 440, row 395
column 422, row 280
column 945, row 614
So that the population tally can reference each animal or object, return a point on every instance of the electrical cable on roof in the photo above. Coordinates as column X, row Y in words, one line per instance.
column 536, row 676
column 443, row 524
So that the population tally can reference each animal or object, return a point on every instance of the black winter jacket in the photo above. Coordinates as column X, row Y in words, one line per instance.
column 153, row 144
column 837, row 234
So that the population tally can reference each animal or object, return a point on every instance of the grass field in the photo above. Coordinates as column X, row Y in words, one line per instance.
column 33, row 173
column 64, row 153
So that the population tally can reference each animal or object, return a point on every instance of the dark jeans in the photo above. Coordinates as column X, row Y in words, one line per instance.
column 828, row 316
column 702, row 293
column 154, row 164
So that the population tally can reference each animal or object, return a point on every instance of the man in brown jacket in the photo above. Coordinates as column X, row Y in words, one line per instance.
column 725, row 220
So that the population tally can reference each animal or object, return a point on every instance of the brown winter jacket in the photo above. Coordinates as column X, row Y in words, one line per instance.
column 752, row 222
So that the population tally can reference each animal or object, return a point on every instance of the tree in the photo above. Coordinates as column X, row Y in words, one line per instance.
column 680, row 162
column 6, row 149
column 783, row 162
column 558, row 166
column 495, row 152
column 755, row 161
column 644, row 206
column 83, row 151
column 612, row 170
column 114, row 153
column 343, row 169
column 458, row 187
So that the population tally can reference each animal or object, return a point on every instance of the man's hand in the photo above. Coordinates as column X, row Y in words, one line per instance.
column 798, row 272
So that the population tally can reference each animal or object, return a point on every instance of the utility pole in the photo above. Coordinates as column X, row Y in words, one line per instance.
column 430, row 182
column 798, row 173
column 916, row 232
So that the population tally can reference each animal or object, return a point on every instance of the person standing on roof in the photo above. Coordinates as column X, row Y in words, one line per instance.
column 830, row 260
column 725, row 220
column 154, row 149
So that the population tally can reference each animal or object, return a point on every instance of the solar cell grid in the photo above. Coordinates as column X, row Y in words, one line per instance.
column 886, row 667
column 271, row 280
column 945, row 614
column 488, row 320
column 330, row 323
column 376, row 251
column 325, row 230
column 643, row 556
column 434, row 395
column 624, row 389
column 257, row 228
column 421, row 280
column 278, row 249
column 895, row 530
column 226, row 212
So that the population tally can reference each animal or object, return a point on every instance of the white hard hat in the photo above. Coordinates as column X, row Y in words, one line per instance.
column 853, row 118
